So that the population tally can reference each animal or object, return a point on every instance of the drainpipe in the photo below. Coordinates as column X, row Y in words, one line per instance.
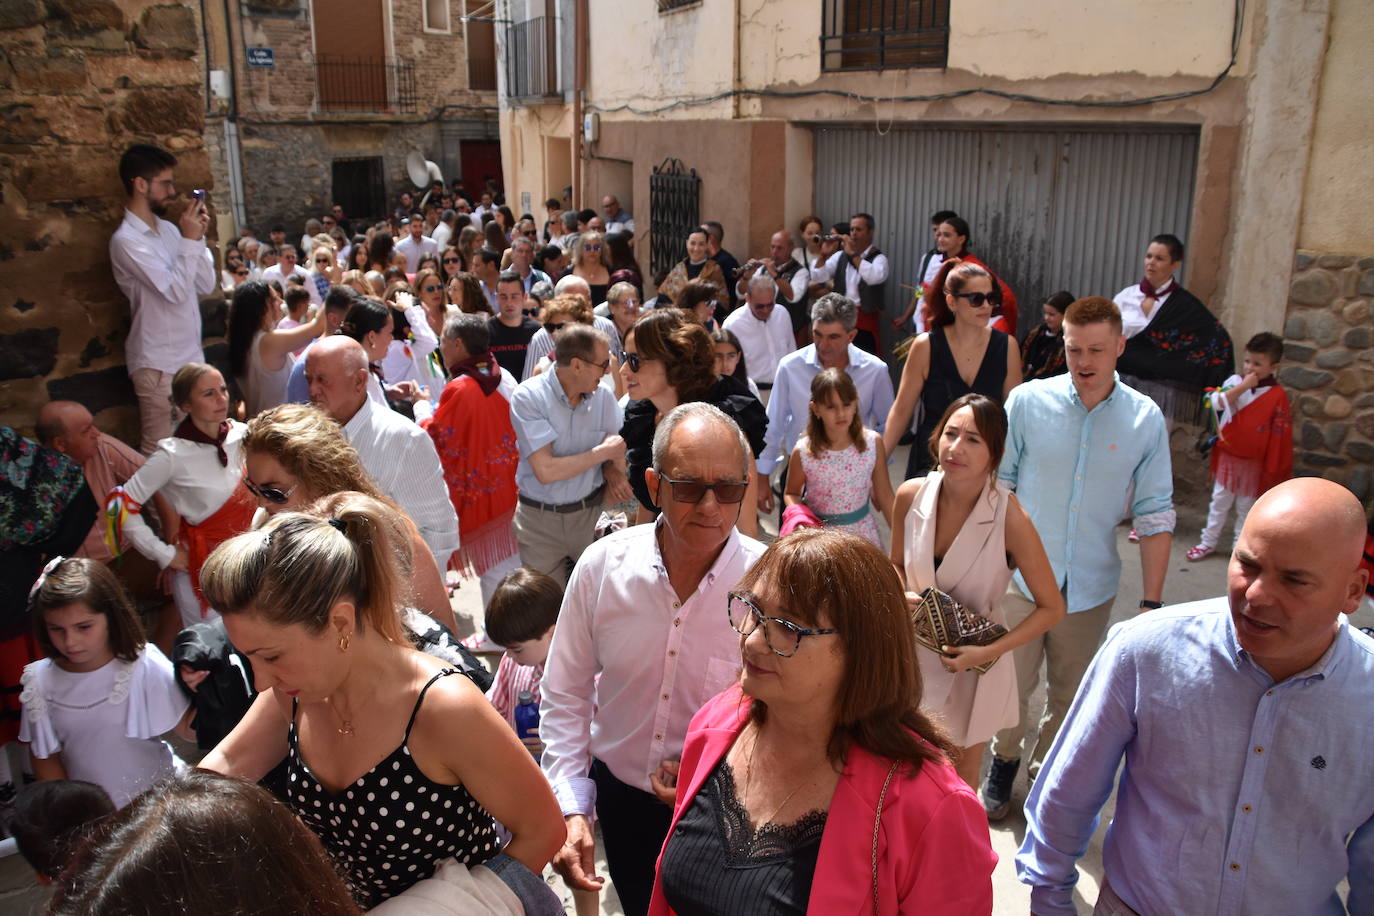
column 579, row 86
column 734, row 63
column 232, row 151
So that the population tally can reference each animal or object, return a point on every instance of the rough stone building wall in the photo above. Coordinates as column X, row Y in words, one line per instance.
column 80, row 80
column 1328, row 368
column 289, row 144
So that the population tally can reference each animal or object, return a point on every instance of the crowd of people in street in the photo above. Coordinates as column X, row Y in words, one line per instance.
column 823, row 721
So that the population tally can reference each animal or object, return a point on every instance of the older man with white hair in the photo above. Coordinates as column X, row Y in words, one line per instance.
column 764, row 331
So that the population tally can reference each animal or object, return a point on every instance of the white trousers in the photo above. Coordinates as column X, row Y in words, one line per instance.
column 1222, row 500
column 186, row 601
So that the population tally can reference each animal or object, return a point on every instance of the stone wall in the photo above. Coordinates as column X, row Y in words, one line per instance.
column 80, row 80
column 1328, row 368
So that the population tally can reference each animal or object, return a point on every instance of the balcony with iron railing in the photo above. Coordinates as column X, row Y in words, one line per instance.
column 365, row 84
column 884, row 34
column 531, row 54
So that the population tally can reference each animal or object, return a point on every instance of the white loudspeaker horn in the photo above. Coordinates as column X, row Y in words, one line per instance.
column 422, row 171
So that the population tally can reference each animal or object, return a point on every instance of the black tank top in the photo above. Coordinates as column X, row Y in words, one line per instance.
column 390, row 828
column 944, row 386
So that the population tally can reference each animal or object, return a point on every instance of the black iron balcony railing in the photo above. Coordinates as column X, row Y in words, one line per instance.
column 884, row 34
column 365, row 84
column 532, row 58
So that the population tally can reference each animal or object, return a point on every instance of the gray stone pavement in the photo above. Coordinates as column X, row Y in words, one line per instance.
column 1186, row 582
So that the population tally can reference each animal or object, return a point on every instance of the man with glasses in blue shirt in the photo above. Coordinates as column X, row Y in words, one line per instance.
column 1082, row 451
column 1246, row 726
column 645, row 613
column 567, row 427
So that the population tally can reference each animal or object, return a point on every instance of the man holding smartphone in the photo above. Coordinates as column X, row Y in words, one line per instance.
column 163, row 269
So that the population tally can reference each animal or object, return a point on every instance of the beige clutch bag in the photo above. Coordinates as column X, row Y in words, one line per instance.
column 940, row 621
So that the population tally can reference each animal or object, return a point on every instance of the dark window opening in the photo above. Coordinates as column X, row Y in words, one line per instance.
column 359, row 189
column 884, row 34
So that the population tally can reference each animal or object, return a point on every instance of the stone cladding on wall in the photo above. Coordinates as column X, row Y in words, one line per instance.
column 81, row 80
column 1328, row 368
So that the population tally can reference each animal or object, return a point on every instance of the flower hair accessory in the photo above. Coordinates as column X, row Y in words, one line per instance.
column 43, row 576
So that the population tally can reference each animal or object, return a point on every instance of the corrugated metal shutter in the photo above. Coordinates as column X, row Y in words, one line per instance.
column 1050, row 207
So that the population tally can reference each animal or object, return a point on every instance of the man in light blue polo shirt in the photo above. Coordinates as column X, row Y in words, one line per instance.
column 567, row 427
column 833, row 319
column 1079, row 446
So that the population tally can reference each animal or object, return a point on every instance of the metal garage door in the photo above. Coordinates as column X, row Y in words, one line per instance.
column 1050, row 207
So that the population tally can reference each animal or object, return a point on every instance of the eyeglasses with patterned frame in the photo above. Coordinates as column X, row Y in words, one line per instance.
column 779, row 634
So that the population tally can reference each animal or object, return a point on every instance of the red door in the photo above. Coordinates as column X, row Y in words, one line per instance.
column 481, row 160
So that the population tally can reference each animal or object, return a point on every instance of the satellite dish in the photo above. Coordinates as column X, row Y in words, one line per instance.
column 421, row 171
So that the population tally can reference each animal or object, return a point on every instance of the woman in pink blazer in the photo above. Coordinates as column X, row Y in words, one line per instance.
column 816, row 784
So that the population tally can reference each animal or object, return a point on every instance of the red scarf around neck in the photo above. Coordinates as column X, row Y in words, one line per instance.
column 189, row 431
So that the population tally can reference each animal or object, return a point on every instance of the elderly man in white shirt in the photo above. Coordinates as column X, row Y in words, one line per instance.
column 163, row 269
column 398, row 455
column 764, row 331
column 642, row 642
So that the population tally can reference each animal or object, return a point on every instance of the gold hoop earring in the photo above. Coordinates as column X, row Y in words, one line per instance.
column 343, row 643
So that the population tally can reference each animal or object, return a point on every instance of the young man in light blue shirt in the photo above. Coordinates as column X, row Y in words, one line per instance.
column 1078, row 447
column 1246, row 728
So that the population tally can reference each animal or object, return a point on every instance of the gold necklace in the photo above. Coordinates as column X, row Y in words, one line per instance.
column 749, row 785
column 346, row 729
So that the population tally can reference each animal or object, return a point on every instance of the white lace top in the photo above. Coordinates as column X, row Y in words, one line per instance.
column 105, row 723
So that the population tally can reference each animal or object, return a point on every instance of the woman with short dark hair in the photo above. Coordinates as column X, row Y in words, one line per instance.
column 817, row 784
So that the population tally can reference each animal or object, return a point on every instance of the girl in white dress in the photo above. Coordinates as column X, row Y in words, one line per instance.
column 839, row 467
column 959, row 530
column 95, row 708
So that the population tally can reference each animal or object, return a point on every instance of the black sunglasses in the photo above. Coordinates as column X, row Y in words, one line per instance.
column 452, row 261
column 692, row 491
column 976, row 299
column 554, row 328
column 271, row 494
column 633, row 360
column 431, row 288
column 530, row 313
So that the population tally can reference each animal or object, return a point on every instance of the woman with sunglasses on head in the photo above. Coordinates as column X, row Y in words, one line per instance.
column 373, row 731
column 817, row 784
column 591, row 262
column 668, row 361
column 959, row 355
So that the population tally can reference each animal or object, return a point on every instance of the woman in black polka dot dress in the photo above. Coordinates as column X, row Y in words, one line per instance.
column 394, row 764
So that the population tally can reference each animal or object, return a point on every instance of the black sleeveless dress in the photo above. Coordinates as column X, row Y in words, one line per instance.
column 944, row 386
column 390, row 828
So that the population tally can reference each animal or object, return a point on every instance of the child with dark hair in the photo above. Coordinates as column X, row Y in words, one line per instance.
column 50, row 819
column 520, row 618
column 97, row 706
column 1254, row 445
column 1042, row 352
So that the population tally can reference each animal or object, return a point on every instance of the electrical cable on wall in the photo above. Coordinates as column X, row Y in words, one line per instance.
column 1236, row 26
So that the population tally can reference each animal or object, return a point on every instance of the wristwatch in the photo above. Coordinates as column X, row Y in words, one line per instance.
column 1151, row 605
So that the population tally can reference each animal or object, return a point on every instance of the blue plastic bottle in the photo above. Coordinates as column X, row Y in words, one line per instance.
column 527, row 718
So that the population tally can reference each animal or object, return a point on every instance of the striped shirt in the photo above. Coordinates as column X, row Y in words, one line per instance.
column 513, row 679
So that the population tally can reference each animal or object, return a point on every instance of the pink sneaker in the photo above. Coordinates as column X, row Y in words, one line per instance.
column 1133, row 537
column 1200, row 552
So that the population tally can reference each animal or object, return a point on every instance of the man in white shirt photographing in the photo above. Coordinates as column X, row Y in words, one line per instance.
column 163, row 269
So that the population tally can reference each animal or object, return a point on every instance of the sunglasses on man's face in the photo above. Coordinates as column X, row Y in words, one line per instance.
column 271, row 494
column 693, row 491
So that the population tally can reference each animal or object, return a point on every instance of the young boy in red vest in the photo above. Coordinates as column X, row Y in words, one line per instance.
column 1254, row 446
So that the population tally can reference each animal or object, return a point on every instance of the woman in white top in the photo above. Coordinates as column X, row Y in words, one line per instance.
column 259, row 351
column 96, row 707
column 959, row 530
column 412, row 355
column 199, row 470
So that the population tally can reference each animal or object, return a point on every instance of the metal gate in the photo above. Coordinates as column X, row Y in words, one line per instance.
column 1050, row 207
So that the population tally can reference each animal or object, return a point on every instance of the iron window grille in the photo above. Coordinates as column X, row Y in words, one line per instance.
column 665, row 6
column 674, row 211
column 365, row 84
column 884, row 34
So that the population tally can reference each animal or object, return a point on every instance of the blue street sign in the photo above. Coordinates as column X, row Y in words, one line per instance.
column 261, row 57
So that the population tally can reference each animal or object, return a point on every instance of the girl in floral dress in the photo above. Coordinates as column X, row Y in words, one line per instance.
column 838, row 470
